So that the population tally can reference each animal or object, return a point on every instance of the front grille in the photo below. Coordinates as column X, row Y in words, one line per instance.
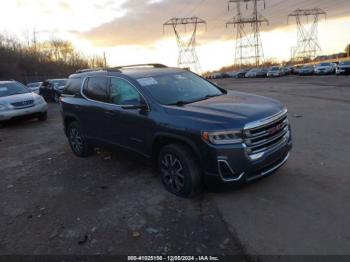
column 23, row 104
column 265, row 136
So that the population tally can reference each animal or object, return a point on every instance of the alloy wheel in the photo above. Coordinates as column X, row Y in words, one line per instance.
column 172, row 172
column 76, row 140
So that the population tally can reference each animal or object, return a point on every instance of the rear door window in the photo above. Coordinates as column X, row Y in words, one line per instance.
column 96, row 89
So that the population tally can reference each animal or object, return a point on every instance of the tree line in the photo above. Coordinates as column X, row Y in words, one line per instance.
column 29, row 62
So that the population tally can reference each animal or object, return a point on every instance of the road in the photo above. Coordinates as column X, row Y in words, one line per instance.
column 304, row 208
column 54, row 203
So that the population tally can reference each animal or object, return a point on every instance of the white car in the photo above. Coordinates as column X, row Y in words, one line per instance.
column 325, row 69
column 252, row 73
column 343, row 68
column 275, row 72
column 17, row 102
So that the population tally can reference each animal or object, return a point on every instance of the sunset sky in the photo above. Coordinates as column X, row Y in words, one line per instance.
column 130, row 31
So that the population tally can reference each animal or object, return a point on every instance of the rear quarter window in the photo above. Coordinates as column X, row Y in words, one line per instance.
column 73, row 86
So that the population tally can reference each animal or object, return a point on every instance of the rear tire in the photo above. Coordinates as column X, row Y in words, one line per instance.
column 77, row 141
column 179, row 170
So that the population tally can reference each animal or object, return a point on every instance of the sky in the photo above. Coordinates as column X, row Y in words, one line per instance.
column 131, row 31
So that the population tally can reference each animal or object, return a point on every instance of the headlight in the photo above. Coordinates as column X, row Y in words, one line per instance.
column 222, row 138
column 39, row 100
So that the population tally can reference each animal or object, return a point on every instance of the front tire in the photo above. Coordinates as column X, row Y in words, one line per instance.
column 179, row 170
column 77, row 141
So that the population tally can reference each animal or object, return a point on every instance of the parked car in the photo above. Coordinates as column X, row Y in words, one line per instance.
column 34, row 87
column 232, row 74
column 275, row 72
column 286, row 70
column 252, row 73
column 17, row 102
column 262, row 72
column 307, row 70
column 325, row 69
column 51, row 89
column 295, row 69
column 343, row 68
column 194, row 131
column 241, row 74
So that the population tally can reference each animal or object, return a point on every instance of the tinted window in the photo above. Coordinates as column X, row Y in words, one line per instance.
column 10, row 89
column 58, row 83
column 96, row 89
column 73, row 86
column 183, row 87
column 123, row 93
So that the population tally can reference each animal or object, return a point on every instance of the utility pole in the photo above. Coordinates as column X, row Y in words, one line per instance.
column 35, row 39
column 308, row 46
column 187, row 48
column 104, row 59
column 249, row 50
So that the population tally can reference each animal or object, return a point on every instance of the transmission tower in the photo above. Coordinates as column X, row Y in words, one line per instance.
column 249, row 50
column 187, row 47
column 308, row 46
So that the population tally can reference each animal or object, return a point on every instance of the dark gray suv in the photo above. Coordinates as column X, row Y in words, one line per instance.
column 196, row 132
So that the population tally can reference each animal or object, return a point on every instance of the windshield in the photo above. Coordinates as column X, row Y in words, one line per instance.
column 275, row 68
column 33, row 85
column 11, row 89
column 325, row 64
column 58, row 83
column 344, row 63
column 179, row 88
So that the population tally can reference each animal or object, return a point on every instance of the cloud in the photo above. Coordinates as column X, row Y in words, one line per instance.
column 142, row 22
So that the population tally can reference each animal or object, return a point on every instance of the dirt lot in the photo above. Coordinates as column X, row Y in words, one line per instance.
column 54, row 203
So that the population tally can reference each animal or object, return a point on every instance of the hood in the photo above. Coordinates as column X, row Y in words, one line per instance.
column 233, row 110
column 7, row 100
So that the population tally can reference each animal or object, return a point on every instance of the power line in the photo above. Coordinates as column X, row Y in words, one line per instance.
column 249, row 50
column 308, row 46
column 187, row 57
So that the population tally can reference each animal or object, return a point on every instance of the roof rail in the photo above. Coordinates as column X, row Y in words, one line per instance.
column 142, row 65
column 117, row 69
column 80, row 71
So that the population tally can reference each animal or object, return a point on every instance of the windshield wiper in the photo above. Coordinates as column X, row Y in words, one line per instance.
column 179, row 103
column 182, row 103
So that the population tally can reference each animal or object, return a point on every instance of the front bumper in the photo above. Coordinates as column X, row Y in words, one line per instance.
column 22, row 113
column 234, row 160
column 265, row 147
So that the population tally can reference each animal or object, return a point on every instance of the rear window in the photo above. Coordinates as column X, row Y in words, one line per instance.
column 73, row 86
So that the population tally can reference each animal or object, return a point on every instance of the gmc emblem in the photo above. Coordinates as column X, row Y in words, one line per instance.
column 275, row 129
